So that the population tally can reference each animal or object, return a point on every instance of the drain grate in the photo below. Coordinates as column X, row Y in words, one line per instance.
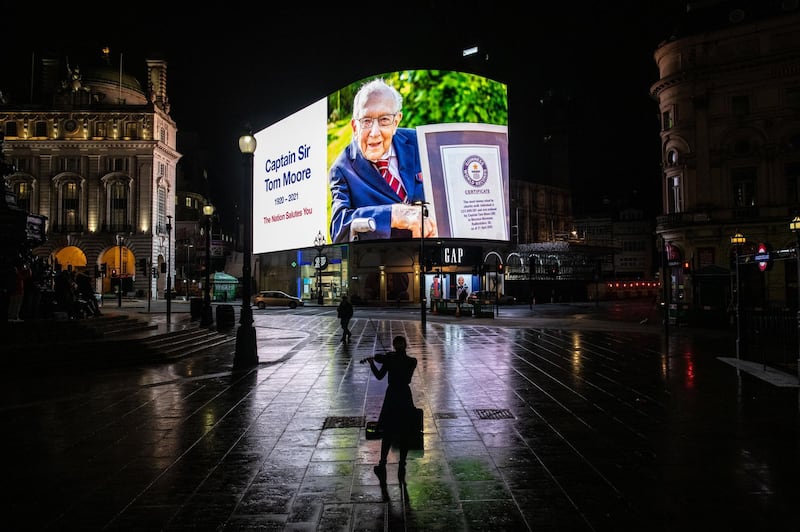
column 502, row 413
column 343, row 422
column 445, row 415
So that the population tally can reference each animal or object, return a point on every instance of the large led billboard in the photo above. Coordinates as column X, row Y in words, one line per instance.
column 445, row 167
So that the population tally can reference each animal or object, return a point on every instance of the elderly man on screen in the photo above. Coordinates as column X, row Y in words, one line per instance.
column 377, row 178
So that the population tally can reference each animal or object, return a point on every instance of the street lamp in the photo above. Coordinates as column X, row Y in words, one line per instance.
column 169, row 268
column 736, row 241
column 794, row 225
column 207, row 317
column 423, row 212
column 120, row 243
column 186, row 283
column 246, row 354
column 319, row 244
column 530, row 281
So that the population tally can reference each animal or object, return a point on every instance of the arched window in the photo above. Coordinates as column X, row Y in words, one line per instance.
column 162, row 211
column 70, row 203
column 118, row 206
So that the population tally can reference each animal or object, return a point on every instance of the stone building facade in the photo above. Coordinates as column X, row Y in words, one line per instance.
column 94, row 151
column 728, row 97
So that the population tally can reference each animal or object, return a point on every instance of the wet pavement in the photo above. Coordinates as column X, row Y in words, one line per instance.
column 560, row 422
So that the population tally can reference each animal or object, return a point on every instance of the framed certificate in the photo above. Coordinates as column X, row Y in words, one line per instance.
column 465, row 173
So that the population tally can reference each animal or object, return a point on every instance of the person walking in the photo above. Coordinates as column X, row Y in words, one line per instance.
column 345, row 313
column 398, row 418
column 16, row 292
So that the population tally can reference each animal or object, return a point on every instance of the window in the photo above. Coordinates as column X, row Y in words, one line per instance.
column 21, row 164
column 100, row 129
column 117, row 164
column 11, row 129
column 70, row 202
column 740, row 105
column 666, row 120
column 118, row 206
column 672, row 157
column 743, row 184
column 69, row 164
column 22, row 190
column 188, row 202
column 40, row 129
column 162, row 135
column 130, row 130
column 162, row 210
column 162, row 170
column 674, row 195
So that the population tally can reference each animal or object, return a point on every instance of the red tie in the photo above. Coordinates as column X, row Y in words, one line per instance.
column 396, row 184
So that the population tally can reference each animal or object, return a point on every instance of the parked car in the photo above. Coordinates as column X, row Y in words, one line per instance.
column 276, row 298
column 487, row 296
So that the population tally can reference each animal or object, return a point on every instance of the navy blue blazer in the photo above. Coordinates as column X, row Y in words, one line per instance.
column 358, row 192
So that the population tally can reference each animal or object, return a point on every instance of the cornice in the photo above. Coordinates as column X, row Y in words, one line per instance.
column 83, row 145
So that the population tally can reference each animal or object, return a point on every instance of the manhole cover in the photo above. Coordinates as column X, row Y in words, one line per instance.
column 502, row 413
column 343, row 422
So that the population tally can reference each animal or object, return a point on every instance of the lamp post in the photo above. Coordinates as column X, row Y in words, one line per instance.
column 186, row 282
column 169, row 269
column 319, row 244
column 207, row 317
column 423, row 212
column 794, row 225
column 120, row 243
column 737, row 240
column 246, row 354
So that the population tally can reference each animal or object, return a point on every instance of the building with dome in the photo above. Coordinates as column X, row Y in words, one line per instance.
column 93, row 151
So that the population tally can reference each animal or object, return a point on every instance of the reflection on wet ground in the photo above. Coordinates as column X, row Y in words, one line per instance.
column 526, row 428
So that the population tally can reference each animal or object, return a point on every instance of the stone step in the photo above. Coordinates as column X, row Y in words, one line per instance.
column 102, row 342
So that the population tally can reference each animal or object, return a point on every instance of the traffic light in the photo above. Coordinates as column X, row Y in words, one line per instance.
column 499, row 267
column 96, row 271
column 687, row 266
column 143, row 266
column 103, row 269
column 113, row 272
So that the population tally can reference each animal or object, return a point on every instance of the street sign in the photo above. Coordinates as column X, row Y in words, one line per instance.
column 320, row 262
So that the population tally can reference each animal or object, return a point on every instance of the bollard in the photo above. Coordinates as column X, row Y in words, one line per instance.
column 196, row 308
column 225, row 317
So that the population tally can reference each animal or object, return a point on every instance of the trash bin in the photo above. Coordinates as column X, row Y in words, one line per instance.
column 196, row 307
column 225, row 317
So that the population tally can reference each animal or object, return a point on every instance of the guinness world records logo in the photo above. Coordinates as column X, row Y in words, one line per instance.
column 475, row 171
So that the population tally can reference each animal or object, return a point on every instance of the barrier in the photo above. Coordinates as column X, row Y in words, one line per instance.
column 196, row 308
column 225, row 317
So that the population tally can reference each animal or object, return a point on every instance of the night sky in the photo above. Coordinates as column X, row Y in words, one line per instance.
column 227, row 71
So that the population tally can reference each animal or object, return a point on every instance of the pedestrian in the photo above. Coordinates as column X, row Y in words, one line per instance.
column 398, row 420
column 86, row 292
column 65, row 293
column 345, row 313
column 16, row 292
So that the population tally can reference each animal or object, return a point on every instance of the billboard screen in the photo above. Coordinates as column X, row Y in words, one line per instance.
column 391, row 156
